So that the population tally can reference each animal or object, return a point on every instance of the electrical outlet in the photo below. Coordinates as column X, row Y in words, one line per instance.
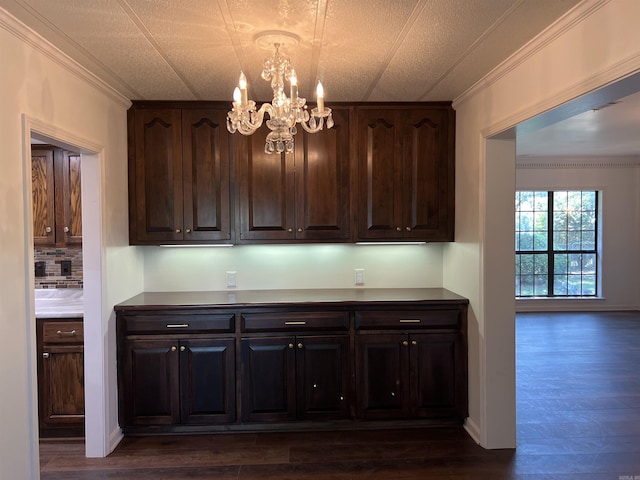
column 231, row 280
column 359, row 276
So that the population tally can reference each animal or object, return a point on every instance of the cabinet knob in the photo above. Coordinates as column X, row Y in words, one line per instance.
column 300, row 345
column 408, row 229
column 182, row 348
column 405, row 343
column 289, row 230
column 300, row 229
column 398, row 229
column 291, row 345
column 178, row 230
column 45, row 355
column 66, row 229
column 188, row 230
column 413, row 342
column 48, row 229
column 174, row 348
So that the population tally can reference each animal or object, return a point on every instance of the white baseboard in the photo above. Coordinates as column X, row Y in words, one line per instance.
column 472, row 429
column 115, row 438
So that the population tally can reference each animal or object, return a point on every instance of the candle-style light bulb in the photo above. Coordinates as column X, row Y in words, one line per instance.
column 237, row 96
column 293, row 80
column 242, row 83
column 320, row 97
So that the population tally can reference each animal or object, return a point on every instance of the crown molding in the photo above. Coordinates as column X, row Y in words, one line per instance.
column 565, row 23
column 19, row 30
column 577, row 162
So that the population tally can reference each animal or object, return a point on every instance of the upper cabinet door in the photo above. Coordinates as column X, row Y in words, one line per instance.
column 406, row 173
column 322, row 181
column 69, row 203
column 266, row 191
column 155, row 176
column 205, row 167
column 42, row 187
column 379, row 173
column 428, row 175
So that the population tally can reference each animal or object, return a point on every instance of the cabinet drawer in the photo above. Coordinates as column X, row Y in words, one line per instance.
column 292, row 321
column 174, row 324
column 409, row 319
column 62, row 332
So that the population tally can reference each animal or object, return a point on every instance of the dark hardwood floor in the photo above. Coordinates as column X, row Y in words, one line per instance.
column 578, row 405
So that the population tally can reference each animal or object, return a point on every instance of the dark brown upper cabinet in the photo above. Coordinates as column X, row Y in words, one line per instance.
column 406, row 172
column 57, row 199
column 297, row 197
column 179, row 185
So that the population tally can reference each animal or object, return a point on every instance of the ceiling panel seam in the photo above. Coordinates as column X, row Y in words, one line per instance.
column 149, row 36
column 472, row 48
column 408, row 25
column 229, row 24
column 316, row 43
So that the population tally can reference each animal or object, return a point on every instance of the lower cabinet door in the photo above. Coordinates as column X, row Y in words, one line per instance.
column 323, row 375
column 207, row 381
column 382, row 366
column 268, row 379
column 61, row 395
column 151, row 385
column 436, row 366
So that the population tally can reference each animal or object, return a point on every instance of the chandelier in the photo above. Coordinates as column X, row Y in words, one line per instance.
column 284, row 112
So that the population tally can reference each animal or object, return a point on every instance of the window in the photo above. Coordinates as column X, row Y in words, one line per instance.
column 556, row 244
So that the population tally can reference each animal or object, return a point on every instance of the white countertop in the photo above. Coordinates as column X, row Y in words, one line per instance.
column 59, row 303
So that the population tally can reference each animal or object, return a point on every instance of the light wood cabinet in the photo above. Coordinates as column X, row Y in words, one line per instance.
column 60, row 345
column 179, row 185
column 57, row 198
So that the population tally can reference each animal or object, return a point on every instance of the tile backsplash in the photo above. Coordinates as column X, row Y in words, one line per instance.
column 52, row 258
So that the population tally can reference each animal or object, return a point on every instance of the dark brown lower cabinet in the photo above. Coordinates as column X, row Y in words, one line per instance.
column 295, row 377
column 259, row 365
column 60, row 377
column 172, row 381
column 410, row 376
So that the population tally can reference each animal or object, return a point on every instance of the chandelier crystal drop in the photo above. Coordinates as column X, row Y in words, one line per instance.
column 284, row 112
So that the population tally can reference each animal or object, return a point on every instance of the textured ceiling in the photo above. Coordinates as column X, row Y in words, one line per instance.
column 361, row 50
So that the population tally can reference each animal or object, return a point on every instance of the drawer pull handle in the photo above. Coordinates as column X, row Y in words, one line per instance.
column 295, row 323
column 72, row 333
column 177, row 325
column 410, row 320
column 45, row 355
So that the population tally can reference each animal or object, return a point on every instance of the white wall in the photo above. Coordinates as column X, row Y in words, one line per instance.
column 597, row 43
column 293, row 266
column 39, row 88
column 618, row 180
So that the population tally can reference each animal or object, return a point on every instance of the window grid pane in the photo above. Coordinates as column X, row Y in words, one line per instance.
column 568, row 267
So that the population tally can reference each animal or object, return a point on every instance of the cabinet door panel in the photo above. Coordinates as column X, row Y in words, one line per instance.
column 268, row 379
column 62, row 385
column 434, row 365
column 156, row 193
column 428, row 175
column 207, row 373
column 379, row 174
column 152, row 390
column 266, row 191
column 323, row 376
column 42, row 178
column 322, row 181
column 206, row 175
column 381, row 369
column 68, row 198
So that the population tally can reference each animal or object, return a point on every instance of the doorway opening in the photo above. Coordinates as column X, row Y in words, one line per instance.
column 96, row 444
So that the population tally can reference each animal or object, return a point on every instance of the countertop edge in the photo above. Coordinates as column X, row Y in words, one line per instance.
column 334, row 298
